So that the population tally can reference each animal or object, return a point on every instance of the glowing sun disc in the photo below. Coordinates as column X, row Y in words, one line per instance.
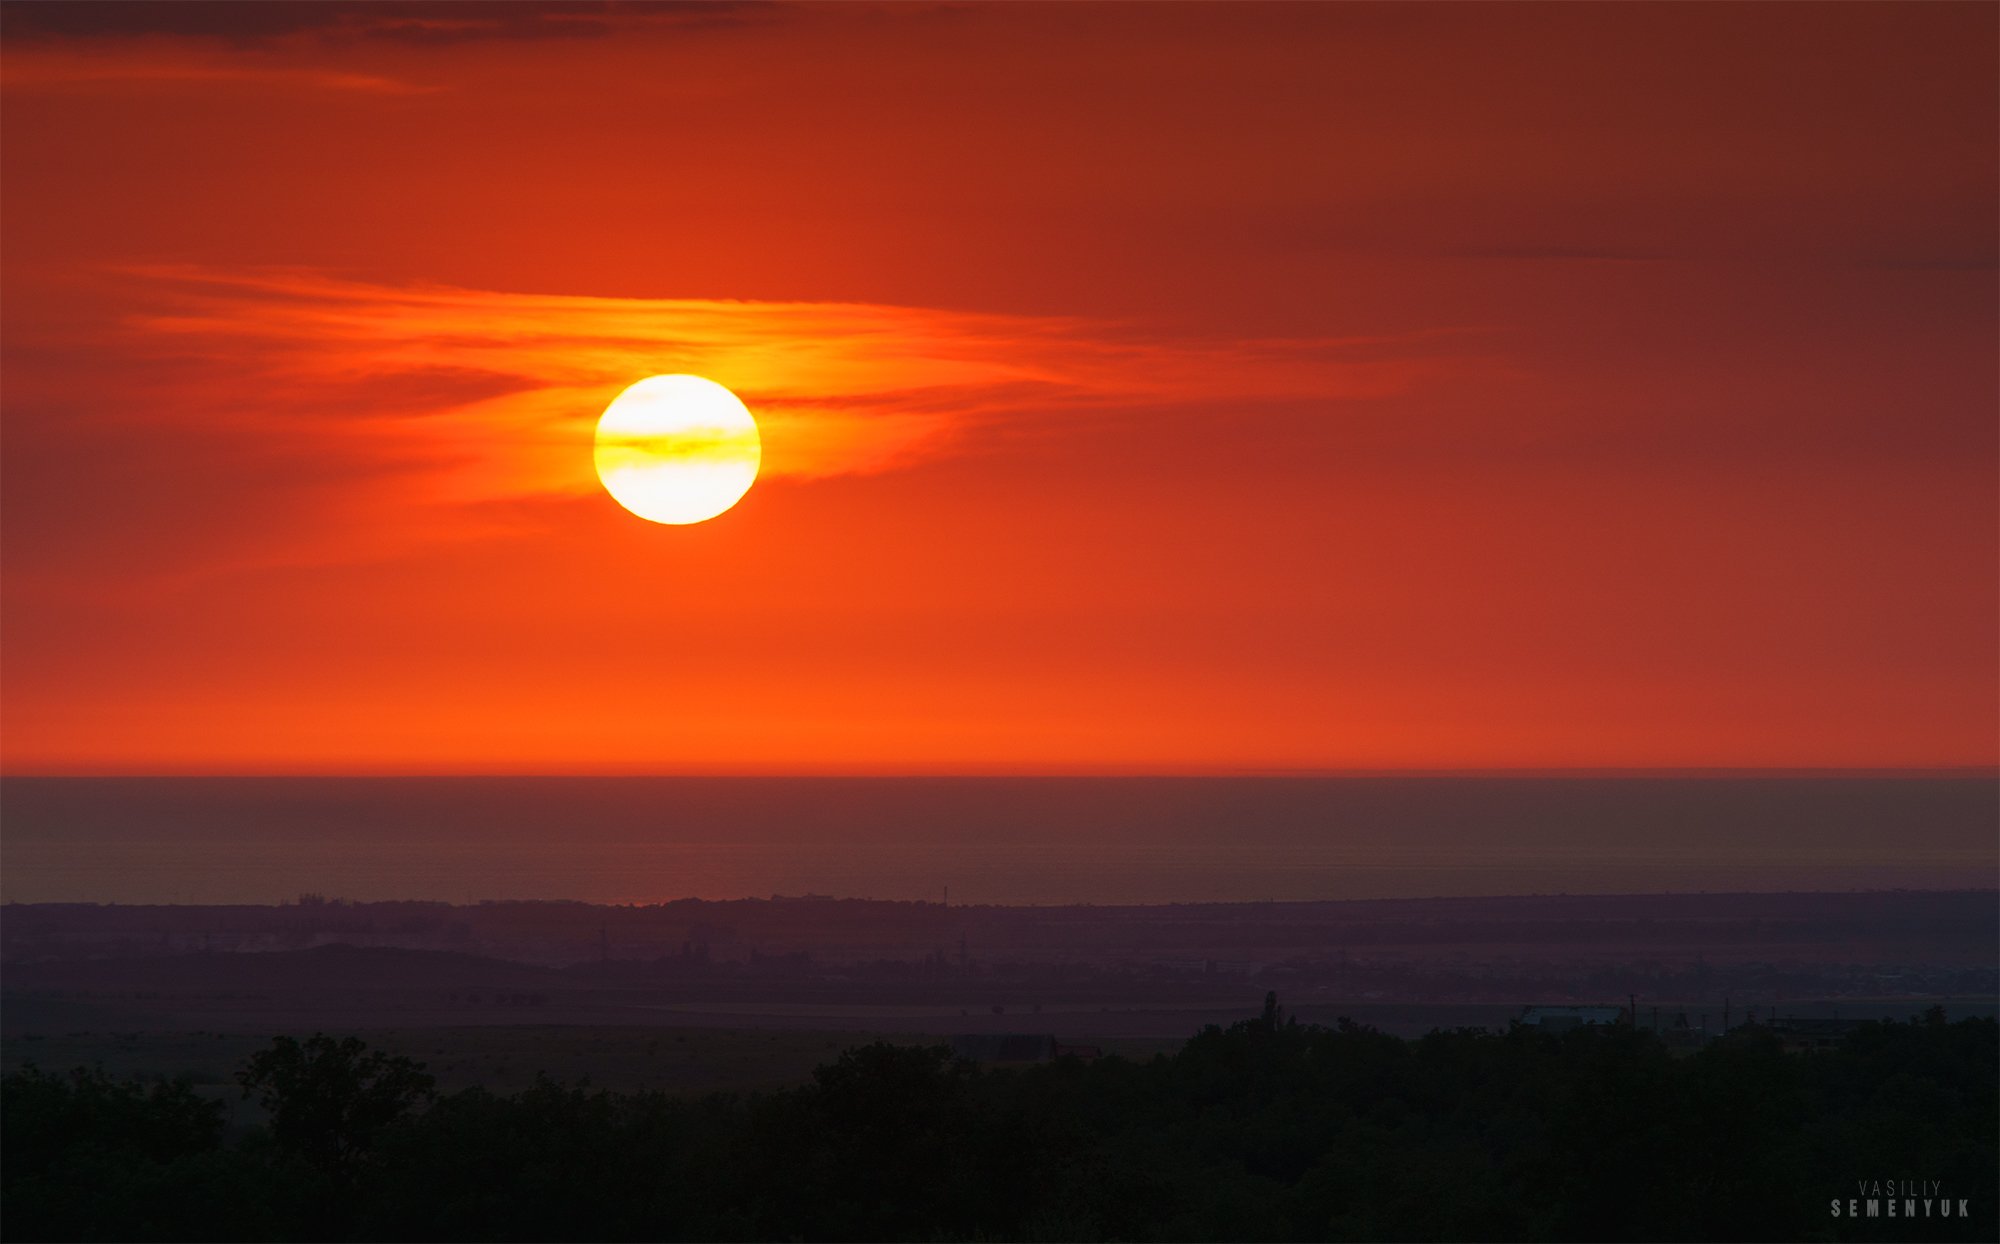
column 677, row 449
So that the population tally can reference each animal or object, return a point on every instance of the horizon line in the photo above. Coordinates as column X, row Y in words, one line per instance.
column 1989, row 771
column 333, row 900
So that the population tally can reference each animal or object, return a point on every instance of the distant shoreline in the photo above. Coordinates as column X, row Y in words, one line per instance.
column 1260, row 905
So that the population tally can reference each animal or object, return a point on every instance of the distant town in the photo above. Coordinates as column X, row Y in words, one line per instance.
column 1686, row 965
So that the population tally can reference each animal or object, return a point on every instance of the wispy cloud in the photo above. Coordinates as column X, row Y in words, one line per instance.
column 68, row 68
column 308, row 45
column 481, row 395
column 424, row 22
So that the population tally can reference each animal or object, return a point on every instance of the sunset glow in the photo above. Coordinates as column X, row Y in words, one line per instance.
column 790, row 621
column 1178, row 388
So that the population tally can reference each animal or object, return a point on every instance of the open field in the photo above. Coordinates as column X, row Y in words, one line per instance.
column 687, row 1050
column 506, row 1059
column 501, row 1059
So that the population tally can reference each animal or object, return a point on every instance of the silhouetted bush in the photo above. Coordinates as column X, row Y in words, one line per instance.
column 84, row 1156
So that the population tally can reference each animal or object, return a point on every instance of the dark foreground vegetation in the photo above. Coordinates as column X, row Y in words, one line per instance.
column 1266, row 1130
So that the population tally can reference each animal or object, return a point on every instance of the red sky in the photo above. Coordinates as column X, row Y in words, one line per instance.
column 1143, row 388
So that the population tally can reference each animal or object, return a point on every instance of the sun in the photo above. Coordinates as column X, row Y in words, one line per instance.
column 677, row 449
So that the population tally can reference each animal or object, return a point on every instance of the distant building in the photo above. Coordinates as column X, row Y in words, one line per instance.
column 1681, row 1035
column 1564, row 1018
column 1812, row 1034
column 1004, row 1047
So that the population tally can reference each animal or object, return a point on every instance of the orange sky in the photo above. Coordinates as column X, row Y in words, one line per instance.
column 1142, row 388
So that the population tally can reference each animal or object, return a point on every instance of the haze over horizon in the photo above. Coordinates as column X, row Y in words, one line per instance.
column 988, row 840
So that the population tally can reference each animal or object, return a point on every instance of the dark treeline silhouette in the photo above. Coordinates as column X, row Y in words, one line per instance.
column 1266, row 1130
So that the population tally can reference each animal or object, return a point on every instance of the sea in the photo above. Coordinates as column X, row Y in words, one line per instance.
column 987, row 840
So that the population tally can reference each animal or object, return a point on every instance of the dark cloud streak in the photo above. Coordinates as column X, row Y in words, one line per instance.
column 412, row 22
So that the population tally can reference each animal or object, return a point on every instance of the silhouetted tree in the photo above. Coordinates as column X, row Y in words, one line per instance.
column 329, row 1099
column 1268, row 1129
